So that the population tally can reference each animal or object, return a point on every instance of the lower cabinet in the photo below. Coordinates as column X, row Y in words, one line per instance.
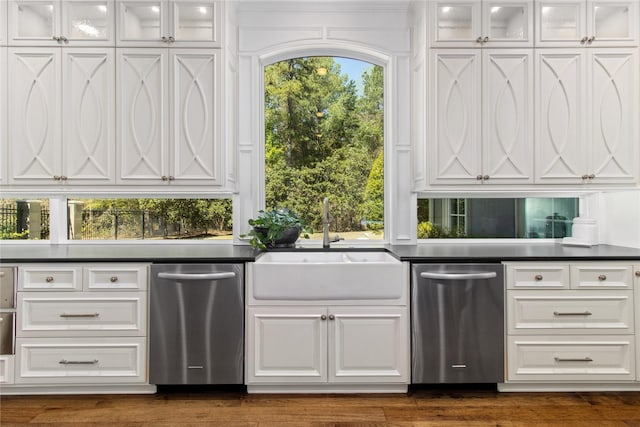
column 6, row 369
column 356, row 345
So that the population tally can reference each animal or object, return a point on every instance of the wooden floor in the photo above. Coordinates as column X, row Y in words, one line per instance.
column 422, row 408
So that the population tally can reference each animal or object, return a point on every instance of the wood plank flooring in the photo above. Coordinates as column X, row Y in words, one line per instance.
column 428, row 407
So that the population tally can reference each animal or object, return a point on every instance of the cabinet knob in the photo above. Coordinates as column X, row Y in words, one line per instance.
column 584, row 177
column 164, row 178
column 479, row 177
column 172, row 178
column 638, row 273
column 63, row 39
column 113, row 279
column 332, row 317
column 485, row 39
column 64, row 178
column 485, row 177
column 323, row 317
column 584, row 40
column 57, row 177
column 538, row 277
column 49, row 279
column 164, row 39
column 592, row 176
column 479, row 39
column 591, row 39
column 602, row 277
column 171, row 39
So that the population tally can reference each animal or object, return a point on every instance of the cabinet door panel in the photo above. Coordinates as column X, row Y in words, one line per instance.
column 613, row 23
column 560, row 102
column 508, row 116
column 196, row 23
column 4, row 135
column 89, row 111
column 88, row 22
column 455, row 23
column 614, row 115
column 560, row 23
column 142, row 124
column 196, row 147
column 286, row 345
column 34, row 23
column 456, row 109
column 368, row 344
column 35, row 114
column 507, row 23
column 142, row 22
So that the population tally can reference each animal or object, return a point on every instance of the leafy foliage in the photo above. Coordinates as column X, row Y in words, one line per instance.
column 322, row 140
column 275, row 222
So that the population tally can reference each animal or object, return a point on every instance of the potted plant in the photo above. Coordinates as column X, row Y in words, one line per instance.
column 278, row 228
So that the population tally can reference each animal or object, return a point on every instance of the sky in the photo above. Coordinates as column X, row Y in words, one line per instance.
column 354, row 69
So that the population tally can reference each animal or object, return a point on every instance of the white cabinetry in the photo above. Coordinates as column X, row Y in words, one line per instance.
column 482, row 118
column 490, row 23
column 81, row 324
column 168, row 106
column 6, row 369
column 586, row 23
column 636, row 286
column 4, row 139
column 345, row 344
column 570, row 323
column 3, row 23
column 586, row 109
column 174, row 23
column 56, row 138
column 61, row 22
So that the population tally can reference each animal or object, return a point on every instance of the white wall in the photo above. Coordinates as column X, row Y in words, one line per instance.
column 618, row 215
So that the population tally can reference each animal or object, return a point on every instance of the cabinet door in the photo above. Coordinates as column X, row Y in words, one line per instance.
column 507, row 116
column 6, row 369
column 636, row 292
column 88, row 22
column 456, row 106
column 89, row 112
column 3, row 23
column 35, row 115
column 286, row 345
column 612, row 22
column 507, row 23
column 142, row 23
column 195, row 116
column 561, row 149
column 4, row 136
column 368, row 344
column 34, row 22
column 613, row 120
column 456, row 23
column 195, row 23
column 561, row 23
column 142, row 112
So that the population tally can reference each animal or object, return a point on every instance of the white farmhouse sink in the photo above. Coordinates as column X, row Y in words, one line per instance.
column 327, row 276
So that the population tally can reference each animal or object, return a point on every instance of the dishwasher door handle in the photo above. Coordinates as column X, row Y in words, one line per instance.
column 197, row 276
column 459, row 276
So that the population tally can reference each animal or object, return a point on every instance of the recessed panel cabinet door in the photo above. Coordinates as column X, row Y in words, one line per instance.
column 142, row 111
column 614, row 115
column 456, row 107
column 4, row 138
column 89, row 115
column 561, row 147
column 195, row 112
column 508, row 116
column 35, row 114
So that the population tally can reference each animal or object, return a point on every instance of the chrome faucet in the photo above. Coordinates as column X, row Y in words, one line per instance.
column 326, row 240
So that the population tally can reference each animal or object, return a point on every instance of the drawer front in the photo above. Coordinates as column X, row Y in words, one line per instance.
column 597, row 358
column 50, row 277
column 601, row 277
column 116, row 277
column 81, row 360
column 570, row 312
column 6, row 369
column 538, row 276
column 78, row 314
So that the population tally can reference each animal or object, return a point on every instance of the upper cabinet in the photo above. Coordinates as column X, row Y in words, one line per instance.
column 3, row 114
column 3, row 23
column 475, row 23
column 61, row 23
column 179, row 23
column 586, row 23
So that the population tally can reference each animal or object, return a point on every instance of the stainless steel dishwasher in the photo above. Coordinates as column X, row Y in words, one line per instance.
column 457, row 323
column 196, row 324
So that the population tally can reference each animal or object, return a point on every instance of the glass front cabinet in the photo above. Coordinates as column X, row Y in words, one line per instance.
column 586, row 23
column 490, row 23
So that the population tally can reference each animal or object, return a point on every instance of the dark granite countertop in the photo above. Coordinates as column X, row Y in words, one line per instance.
column 428, row 252
column 472, row 252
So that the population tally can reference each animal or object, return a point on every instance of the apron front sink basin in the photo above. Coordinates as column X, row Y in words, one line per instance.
column 328, row 276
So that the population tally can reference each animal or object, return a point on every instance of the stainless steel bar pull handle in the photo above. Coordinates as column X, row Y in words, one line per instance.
column 563, row 359
column 459, row 366
column 78, row 362
column 2, row 273
column 197, row 276
column 580, row 313
column 80, row 315
column 458, row 276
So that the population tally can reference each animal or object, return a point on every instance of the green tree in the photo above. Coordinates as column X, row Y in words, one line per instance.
column 373, row 206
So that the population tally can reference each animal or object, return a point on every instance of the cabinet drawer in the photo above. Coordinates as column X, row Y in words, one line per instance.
column 538, row 276
column 81, row 360
column 596, row 358
column 77, row 314
column 601, row 276
column 122, row 277
column 6, row 369
column 570, row 312
column 50, row 277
